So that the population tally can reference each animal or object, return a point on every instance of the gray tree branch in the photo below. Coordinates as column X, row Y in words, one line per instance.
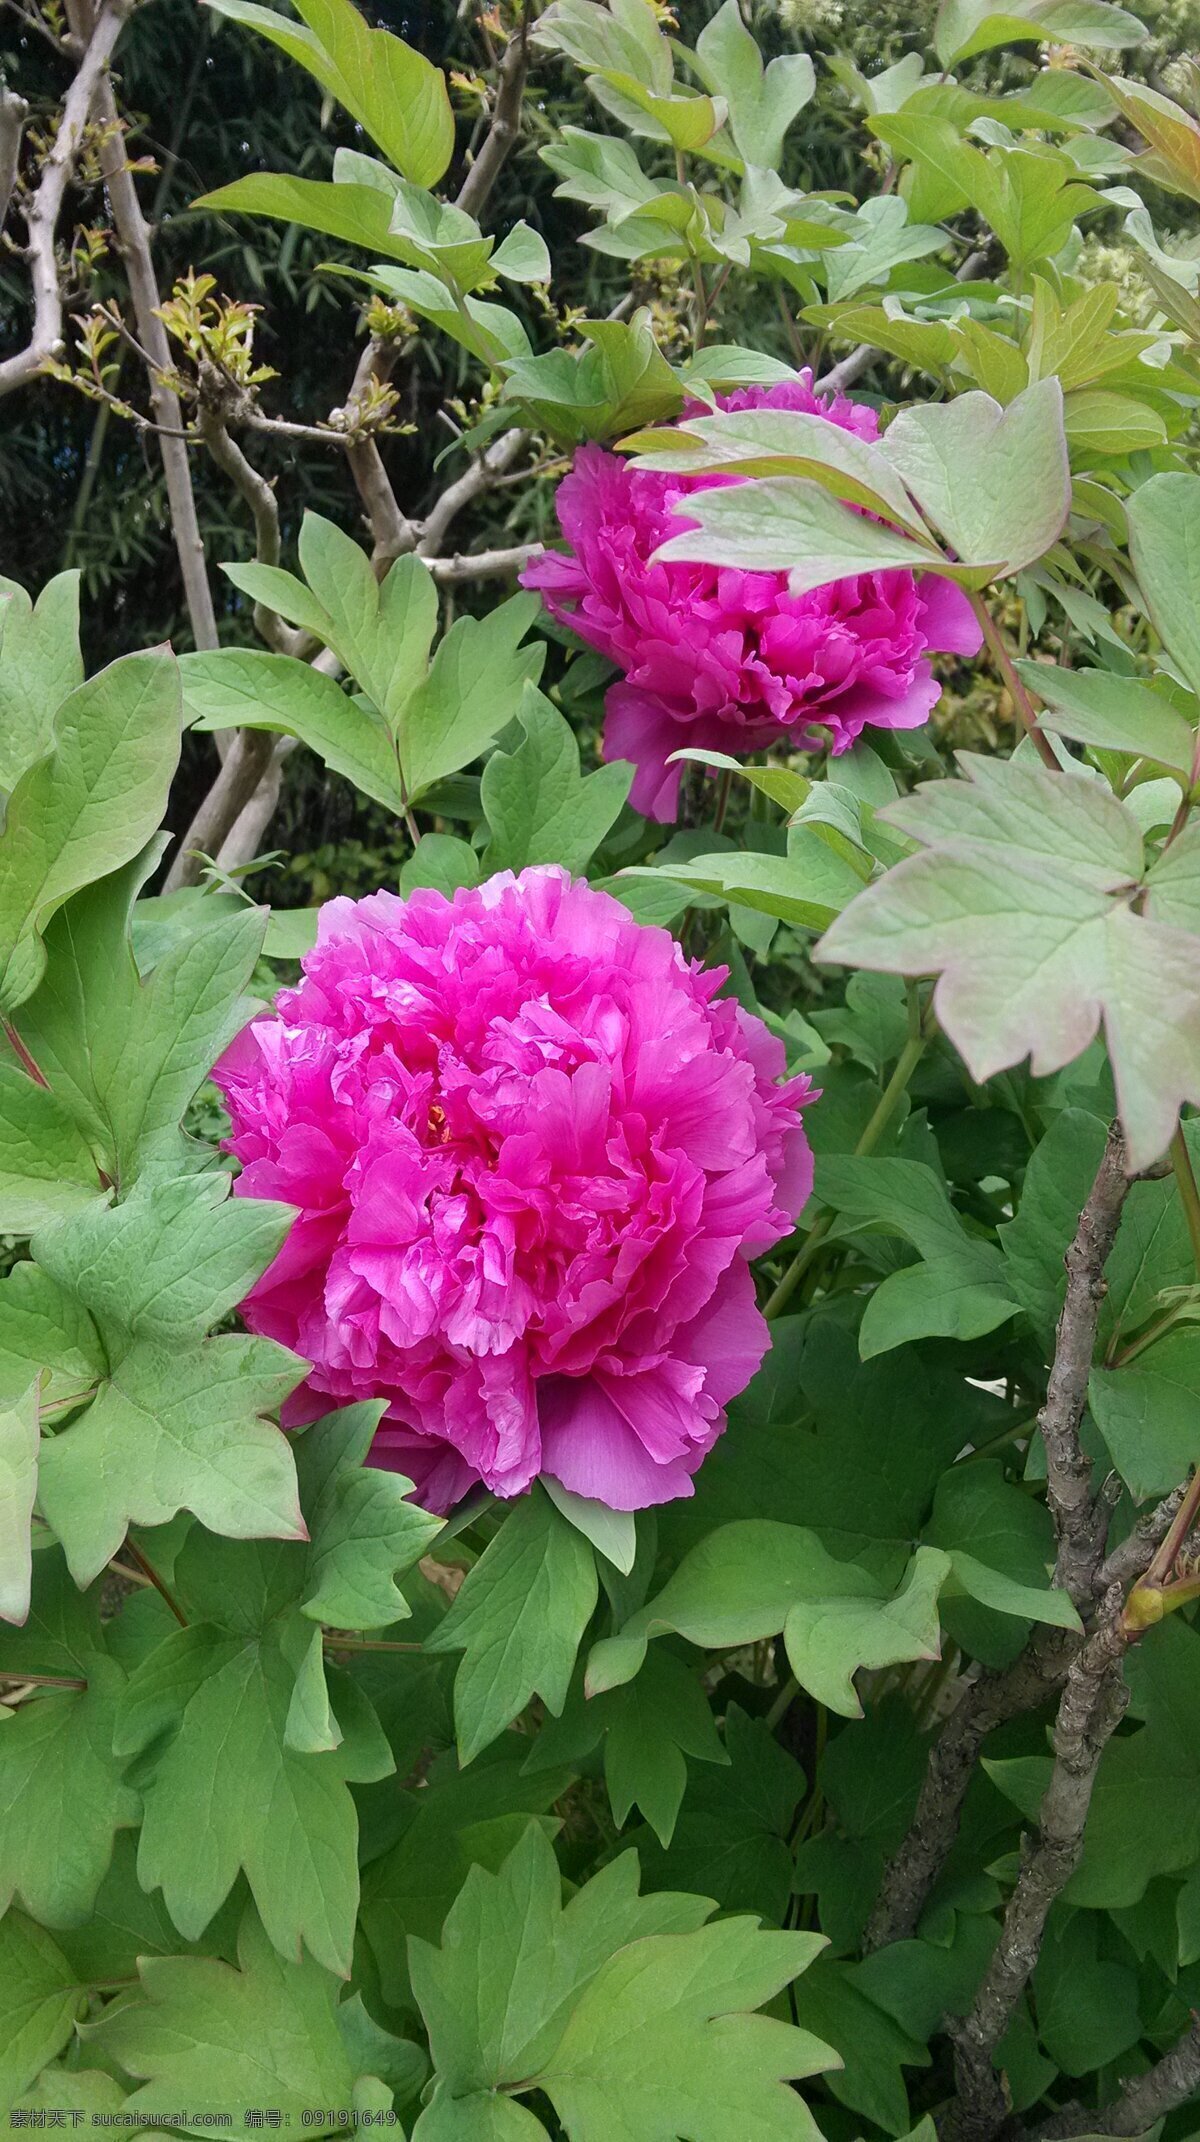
column 1093, row 1703
column 1144, row 2099
column 13, row 113
column 43, row 210
column 1081, row 1519
column 505, row 124
column 133, row 238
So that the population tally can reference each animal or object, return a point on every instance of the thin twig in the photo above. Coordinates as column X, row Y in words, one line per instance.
column 45, row 207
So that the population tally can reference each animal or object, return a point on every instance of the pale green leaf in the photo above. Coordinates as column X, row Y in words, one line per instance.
column 994, row 481
column 1164, row 543
column 1112, row 713
column 1031, row 959
column 789, row 524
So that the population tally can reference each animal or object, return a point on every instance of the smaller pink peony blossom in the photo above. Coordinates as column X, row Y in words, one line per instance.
column 532, row 1152
column 721, row 660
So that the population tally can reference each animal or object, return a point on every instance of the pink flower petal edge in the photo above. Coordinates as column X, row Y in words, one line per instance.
column 531, row 1151
column 719, row 660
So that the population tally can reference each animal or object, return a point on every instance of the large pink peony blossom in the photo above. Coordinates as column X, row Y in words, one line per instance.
column 720, row 660
column 532, row 1152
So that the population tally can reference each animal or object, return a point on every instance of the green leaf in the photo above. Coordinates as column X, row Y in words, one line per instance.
column 522, row 256
column 178, row 1424
column 238, row 1779
column 19, row 1432
column 124, row 1055
column 592, row 2001
column 762, row 102
column 1147, row 1413
column 397, row 95
column 1000, row 1544
column 363, row 1529
column 1111, row 713
column 780, row 442
column 967, row 464
column 889, row 236
column 519, row 1618
column 958, row 1291
column 539, row 808
column 1087, row 2005
column 1097, row 421
column 459, row 1820
column 39, row 664
column 47, row 1170
column 731, row 1835
column 1164, row 544
column 241, row 687
column 755, row 1579
column 613, row 1533
column 1155, row 1769
column 380, row 630
column 474, row 687
column 808, row 886
column 200, row 2034
column 39, row 2000
column 88, row 806
column 660, row 2042
column 1021, row 902
column 791, row 524
column 965, row 27
column 621, row 382
column 647, row 1728
column 495, row 2026
column 358, row 215
column 62, row 1797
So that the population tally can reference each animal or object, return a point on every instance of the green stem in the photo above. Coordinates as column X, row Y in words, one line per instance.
column 366, row 1643
column 906, row 1063
column 725, row 784
column 783, row 1702
column 1181, row 1162
column 139, row 1560
column 1020, row 697
column 44, row 1680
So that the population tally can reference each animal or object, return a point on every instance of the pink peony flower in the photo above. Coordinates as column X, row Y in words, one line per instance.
column 532, row 1152
column 721, row 660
